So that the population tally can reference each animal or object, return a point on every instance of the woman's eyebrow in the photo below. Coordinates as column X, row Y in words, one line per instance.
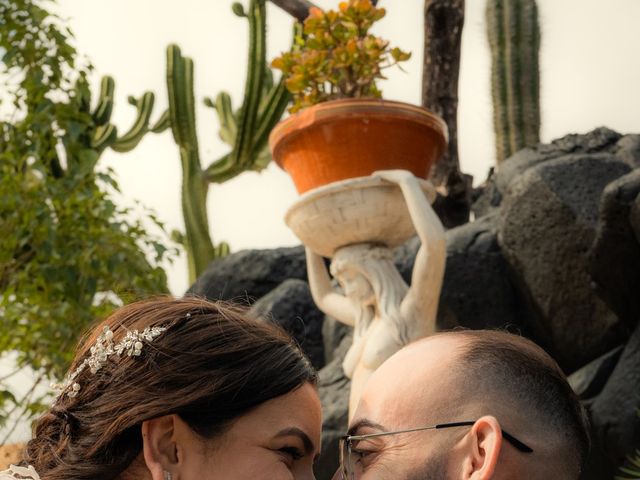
column 365, row 422
column 296, row 432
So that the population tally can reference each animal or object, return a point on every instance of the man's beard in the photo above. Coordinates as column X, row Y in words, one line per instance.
column 434, row 469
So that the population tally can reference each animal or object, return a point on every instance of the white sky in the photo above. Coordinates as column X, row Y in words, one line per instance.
column 590, row 69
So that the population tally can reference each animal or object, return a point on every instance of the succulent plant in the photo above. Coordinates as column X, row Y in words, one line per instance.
column 335, row 56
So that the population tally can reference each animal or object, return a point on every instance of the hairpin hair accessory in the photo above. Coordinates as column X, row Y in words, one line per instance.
column 131, row 345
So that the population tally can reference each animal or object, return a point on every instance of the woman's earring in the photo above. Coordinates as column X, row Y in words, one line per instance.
column 167, row 476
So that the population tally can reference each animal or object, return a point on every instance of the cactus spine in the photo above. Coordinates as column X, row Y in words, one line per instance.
column 514, row 39
column 246, row 131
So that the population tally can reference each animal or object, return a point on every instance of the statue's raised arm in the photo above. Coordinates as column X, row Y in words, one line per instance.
column 421, row 301
column 324, row 295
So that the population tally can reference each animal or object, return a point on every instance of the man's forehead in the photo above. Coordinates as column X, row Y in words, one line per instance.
column 413, row 383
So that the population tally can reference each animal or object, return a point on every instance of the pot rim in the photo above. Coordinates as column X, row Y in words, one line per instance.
column 325, row 112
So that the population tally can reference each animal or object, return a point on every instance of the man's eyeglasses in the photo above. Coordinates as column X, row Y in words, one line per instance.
column 351, row 469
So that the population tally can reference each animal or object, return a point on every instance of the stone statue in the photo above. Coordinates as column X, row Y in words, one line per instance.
column 385, row 313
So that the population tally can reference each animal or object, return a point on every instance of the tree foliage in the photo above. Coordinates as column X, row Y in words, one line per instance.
column 68, row 253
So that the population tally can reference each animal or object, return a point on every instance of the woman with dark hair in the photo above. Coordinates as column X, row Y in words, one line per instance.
column 180, row 389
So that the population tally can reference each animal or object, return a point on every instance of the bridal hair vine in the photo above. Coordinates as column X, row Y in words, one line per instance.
column 130, row 345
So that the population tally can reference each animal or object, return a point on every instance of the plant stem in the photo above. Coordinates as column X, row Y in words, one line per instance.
column 24, row 402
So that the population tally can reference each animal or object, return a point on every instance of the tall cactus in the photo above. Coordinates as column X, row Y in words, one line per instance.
column 514, row 39
column 246, row 130
column 197, row 239
column 105, row 134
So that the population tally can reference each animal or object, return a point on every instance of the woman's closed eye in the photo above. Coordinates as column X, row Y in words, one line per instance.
column 294, row 453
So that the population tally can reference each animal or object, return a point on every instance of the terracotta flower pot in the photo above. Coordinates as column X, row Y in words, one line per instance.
column 352, row 138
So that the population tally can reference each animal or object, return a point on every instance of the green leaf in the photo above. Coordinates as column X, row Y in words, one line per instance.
column 65, row 241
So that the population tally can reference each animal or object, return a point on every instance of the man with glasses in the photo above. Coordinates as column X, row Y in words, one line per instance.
column 466, row 405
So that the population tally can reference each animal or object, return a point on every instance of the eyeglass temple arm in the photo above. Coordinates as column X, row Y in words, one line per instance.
column 510, row 438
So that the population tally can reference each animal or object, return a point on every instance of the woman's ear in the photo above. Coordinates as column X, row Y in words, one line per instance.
column 159, row 446
column 483, row 449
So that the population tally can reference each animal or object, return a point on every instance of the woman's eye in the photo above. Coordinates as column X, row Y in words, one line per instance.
column 292, row 452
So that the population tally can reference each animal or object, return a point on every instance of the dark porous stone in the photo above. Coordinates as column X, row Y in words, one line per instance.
column 518, row 163
column 615, row 423
column 634, row 218
column 599, row 140
column 590, row 379
column 333, row 388
column 478, row 291
column 404, row 257
column 614, row 259
column 290, row 306
column 628, row 150
column 249, row 274
column 487, row 197
column 548, row 222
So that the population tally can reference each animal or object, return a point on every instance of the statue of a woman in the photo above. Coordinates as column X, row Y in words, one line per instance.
column 385, row 313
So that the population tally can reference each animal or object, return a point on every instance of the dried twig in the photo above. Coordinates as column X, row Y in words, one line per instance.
column 298, row 9
column 443, row 21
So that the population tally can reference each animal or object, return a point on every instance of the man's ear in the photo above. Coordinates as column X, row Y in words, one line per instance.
column 483, row 446
column 159, row 445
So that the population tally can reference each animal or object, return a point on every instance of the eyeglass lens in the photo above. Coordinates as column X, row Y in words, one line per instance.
column 351, row 468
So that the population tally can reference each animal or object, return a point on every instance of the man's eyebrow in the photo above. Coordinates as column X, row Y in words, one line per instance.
column 365, row 422
column 296, row 432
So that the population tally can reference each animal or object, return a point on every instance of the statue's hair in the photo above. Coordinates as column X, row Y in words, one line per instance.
column 375, row 263
column 212, row 365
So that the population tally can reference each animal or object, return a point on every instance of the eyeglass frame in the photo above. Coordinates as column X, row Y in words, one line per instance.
column 345, row 440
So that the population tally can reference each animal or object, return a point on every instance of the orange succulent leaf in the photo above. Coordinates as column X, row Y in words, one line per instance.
column 315, row 12
column 399, row 56
column 295, row 83
column 362, row 5
column 378, row 14
column 277, row 63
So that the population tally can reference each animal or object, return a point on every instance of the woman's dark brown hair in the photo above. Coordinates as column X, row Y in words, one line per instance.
column 212, row 365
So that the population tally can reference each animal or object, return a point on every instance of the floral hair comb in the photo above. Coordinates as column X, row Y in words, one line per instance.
column 131, row 345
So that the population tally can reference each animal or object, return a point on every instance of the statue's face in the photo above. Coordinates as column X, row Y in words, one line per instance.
column 356, row 287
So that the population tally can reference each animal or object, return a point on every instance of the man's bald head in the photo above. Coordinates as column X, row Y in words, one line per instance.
column 473, row 373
